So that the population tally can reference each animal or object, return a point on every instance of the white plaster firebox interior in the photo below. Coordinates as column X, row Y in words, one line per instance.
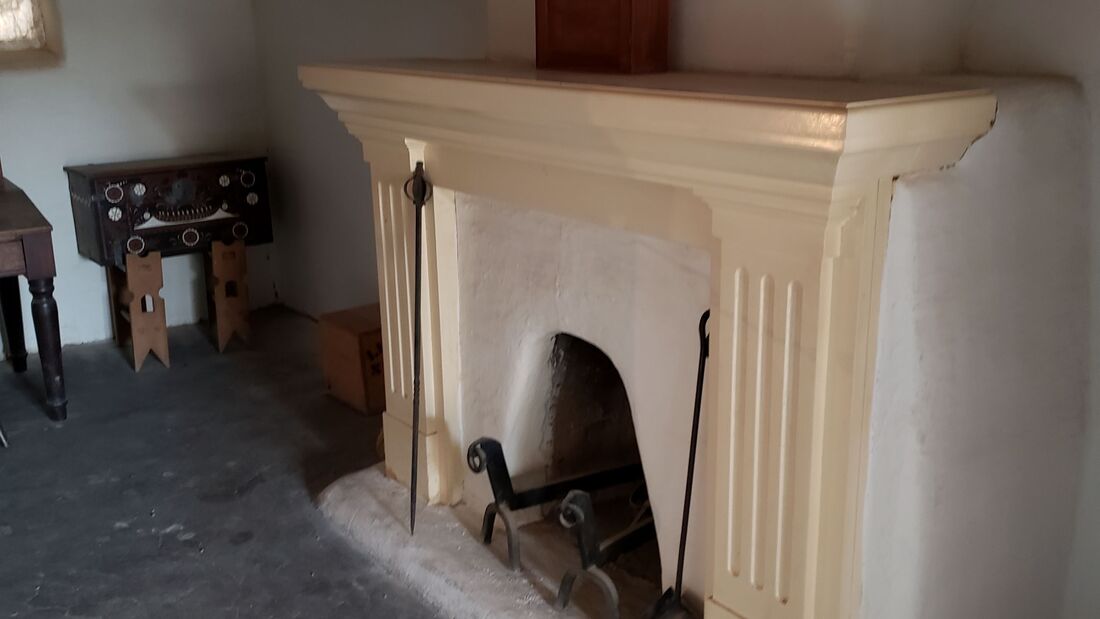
column 614, row 210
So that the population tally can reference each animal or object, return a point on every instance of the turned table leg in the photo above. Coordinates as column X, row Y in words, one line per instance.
column 13, row 322
column 44, row 313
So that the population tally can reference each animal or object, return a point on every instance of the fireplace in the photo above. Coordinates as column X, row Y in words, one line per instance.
column 614, row 210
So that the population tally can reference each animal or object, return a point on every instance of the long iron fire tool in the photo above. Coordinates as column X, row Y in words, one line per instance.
column 671, row 603
column 418, row 190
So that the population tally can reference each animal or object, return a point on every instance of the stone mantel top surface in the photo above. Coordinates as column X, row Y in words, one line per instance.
column 683, row 126
column 734, row 88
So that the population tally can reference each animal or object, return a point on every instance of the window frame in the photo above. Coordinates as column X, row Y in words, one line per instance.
column 49, row 55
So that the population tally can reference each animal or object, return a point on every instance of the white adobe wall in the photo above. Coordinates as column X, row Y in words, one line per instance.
column 1060, row 38
column 320, row 183
column 525, row 276
column 141, row 78
column 976, row 432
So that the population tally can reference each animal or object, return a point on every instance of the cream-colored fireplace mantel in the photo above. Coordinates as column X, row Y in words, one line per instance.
column 788, row 184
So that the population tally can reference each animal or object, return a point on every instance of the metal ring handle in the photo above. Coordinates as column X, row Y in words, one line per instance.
column 570, row 515
column 475, row 458
column 407, row 188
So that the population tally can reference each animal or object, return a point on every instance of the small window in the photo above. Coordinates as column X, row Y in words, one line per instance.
column 29, row 35
column 21, row 25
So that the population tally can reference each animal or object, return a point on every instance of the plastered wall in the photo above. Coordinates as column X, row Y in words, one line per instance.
column 321, row 184
column 978, row 420
column 153, row 78
column 1059, row 38
column 140, row 78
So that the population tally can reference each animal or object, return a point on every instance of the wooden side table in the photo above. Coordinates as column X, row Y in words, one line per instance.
column 26, row 249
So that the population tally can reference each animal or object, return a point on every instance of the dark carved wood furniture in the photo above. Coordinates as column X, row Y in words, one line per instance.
column 172, row 206
column 26, row 249
column 613, row 36
column 128, row 215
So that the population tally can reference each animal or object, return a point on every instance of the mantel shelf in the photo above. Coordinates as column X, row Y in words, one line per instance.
column 767, row 90
column 836, row 131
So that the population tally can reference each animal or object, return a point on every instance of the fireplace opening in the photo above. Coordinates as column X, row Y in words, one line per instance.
column 588, row 426
column 583, row 531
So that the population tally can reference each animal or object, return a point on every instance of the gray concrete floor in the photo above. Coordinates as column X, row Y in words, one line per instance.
column 185, row 492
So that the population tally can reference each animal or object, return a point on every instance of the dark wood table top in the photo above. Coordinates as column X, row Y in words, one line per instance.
column 18, row 215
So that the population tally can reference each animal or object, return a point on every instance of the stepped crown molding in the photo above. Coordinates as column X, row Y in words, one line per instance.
column 692, row 130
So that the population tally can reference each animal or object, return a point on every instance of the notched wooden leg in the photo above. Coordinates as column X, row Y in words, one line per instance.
column 227, row 286
column 138, row 309
column 48, row 332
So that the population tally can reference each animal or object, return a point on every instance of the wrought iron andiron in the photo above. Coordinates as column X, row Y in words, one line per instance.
column 578, row 515
column 486, row 454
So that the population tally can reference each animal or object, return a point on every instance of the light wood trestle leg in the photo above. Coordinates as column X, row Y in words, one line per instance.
column 137, row 309
column 227, row 287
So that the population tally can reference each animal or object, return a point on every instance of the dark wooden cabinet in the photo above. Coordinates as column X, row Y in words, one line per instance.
column 170, row 206
column 615, row 36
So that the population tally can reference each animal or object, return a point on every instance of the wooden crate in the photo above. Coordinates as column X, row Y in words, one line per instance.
column 351, row 357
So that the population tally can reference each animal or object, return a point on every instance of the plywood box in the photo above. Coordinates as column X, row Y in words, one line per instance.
column 351, row 357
